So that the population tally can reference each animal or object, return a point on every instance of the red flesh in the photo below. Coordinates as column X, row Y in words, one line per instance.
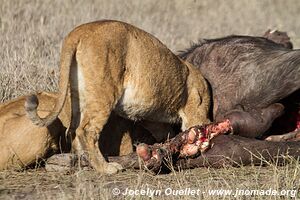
column 187, row 143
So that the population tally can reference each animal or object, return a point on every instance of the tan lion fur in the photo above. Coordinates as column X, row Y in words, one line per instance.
column 114, row 66
column 23, row 143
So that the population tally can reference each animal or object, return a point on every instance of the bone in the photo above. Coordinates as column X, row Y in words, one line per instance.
column 186, row 144
column 66, row 162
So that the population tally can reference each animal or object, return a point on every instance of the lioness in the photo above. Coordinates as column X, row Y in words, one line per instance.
column 22, row 143
column 116, row 66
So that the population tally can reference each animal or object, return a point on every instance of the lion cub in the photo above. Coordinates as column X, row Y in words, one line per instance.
column 112, row 65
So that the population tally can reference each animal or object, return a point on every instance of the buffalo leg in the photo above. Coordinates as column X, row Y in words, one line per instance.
column 232, row 150
column 254, row 123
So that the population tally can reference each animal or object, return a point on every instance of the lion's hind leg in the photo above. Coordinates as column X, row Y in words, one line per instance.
column 99, row 81
column 94, row 118
column 97, row 101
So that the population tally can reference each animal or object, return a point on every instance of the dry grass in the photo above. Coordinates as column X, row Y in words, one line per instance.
column 38, row 184
column 31, row 32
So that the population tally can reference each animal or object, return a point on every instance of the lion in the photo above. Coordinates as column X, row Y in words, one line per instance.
column 113, row 66
column 24, row 144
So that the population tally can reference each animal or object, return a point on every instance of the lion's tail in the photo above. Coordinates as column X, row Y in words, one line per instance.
column 31, row 103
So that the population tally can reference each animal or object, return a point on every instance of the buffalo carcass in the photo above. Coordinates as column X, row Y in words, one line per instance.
column 253, row 81
column 249, row 76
